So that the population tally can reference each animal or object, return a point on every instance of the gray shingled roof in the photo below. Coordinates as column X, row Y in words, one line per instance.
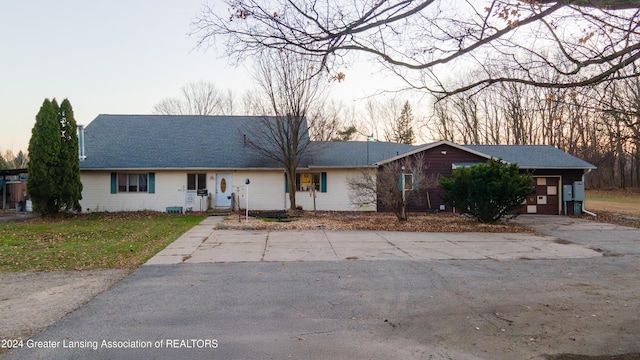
column 533, row 156
column 170, row 141
column 217, row 142
column 355, row 153
column 176, row 141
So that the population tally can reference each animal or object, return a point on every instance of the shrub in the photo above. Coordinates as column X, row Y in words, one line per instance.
column 487, row 192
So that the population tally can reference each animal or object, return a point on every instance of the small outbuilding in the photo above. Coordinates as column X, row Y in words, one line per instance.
column 13, row 189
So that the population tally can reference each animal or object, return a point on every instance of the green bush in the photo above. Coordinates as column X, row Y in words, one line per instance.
column 488, row 191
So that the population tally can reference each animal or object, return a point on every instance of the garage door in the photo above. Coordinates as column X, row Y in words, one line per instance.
column 546, row 200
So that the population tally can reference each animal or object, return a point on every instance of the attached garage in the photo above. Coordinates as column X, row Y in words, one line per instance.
column 546, row 200
column 552, row 170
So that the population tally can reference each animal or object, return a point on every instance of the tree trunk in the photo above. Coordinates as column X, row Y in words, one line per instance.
column 291, row 176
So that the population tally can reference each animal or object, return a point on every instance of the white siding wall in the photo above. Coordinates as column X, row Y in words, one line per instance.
column 266, row 191
column 97, row 196
column 337, row 196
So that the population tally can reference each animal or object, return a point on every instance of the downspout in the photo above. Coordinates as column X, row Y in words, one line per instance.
column 3, row 184
column 81, row 153
column 583, row 209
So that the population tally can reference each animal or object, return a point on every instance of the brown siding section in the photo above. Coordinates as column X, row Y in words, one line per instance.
column 438, row 162
column 16, row 194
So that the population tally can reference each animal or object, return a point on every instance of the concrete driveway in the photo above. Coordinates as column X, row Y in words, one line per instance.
column 260, row 295
column 203, row 244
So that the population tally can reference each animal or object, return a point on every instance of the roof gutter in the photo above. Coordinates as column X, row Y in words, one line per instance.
column 583, row 209
column 183, row 169
column 314, row 167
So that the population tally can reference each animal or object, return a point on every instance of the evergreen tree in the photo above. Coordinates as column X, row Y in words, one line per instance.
column 44, row 149
column 53, row 165
column 346, row 134
column 20, row 161
column 487, row 192
column 403, row 130
column 69, row 163
column 3, row 163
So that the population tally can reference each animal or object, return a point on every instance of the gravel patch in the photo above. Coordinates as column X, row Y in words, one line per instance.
column 31, row 301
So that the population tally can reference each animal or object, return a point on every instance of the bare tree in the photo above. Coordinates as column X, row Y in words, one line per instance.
column 384, row 116
column 289, row 89
column 518, row 117
column 374, row 117
column 465, row 111
column 622, row 124
column 197, row 98
column 228, row 103
column 460, row 118
column 251, row 103
column 363, row 188
column 441, row 122
column 584, row 42
column 325, row 120
column 383, row 187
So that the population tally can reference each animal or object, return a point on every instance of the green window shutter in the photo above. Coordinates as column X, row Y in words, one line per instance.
column 286, row 184
column 114, row 183
column 323, row 182
column 152, row 183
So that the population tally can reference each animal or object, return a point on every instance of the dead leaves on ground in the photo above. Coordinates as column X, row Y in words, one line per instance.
column 329, row 220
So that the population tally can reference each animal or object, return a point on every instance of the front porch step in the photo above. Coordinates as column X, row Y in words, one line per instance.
column 219, row 211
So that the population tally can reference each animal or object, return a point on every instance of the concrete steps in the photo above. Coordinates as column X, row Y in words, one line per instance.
column 219, row 211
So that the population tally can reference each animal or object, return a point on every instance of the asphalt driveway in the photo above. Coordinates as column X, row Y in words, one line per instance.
column 383, row 300
column 609, row 239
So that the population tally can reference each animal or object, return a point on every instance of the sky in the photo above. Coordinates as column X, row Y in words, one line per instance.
column 108, row 57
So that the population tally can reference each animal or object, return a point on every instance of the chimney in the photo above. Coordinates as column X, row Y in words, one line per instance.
column 81, row 154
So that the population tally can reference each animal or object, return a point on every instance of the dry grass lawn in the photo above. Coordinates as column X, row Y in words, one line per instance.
column 623, row 201
column 616, row 206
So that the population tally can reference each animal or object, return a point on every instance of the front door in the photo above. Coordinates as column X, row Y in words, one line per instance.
column 223, row 190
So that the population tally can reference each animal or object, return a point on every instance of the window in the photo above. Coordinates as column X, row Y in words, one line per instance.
column 130, row 182
column 122, row 182
column 408, row 181
column 308, row 181
column 196, row 181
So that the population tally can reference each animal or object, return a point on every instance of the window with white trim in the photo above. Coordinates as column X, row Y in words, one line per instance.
column 308, row 181
column 196, row 181
column 133, row 182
